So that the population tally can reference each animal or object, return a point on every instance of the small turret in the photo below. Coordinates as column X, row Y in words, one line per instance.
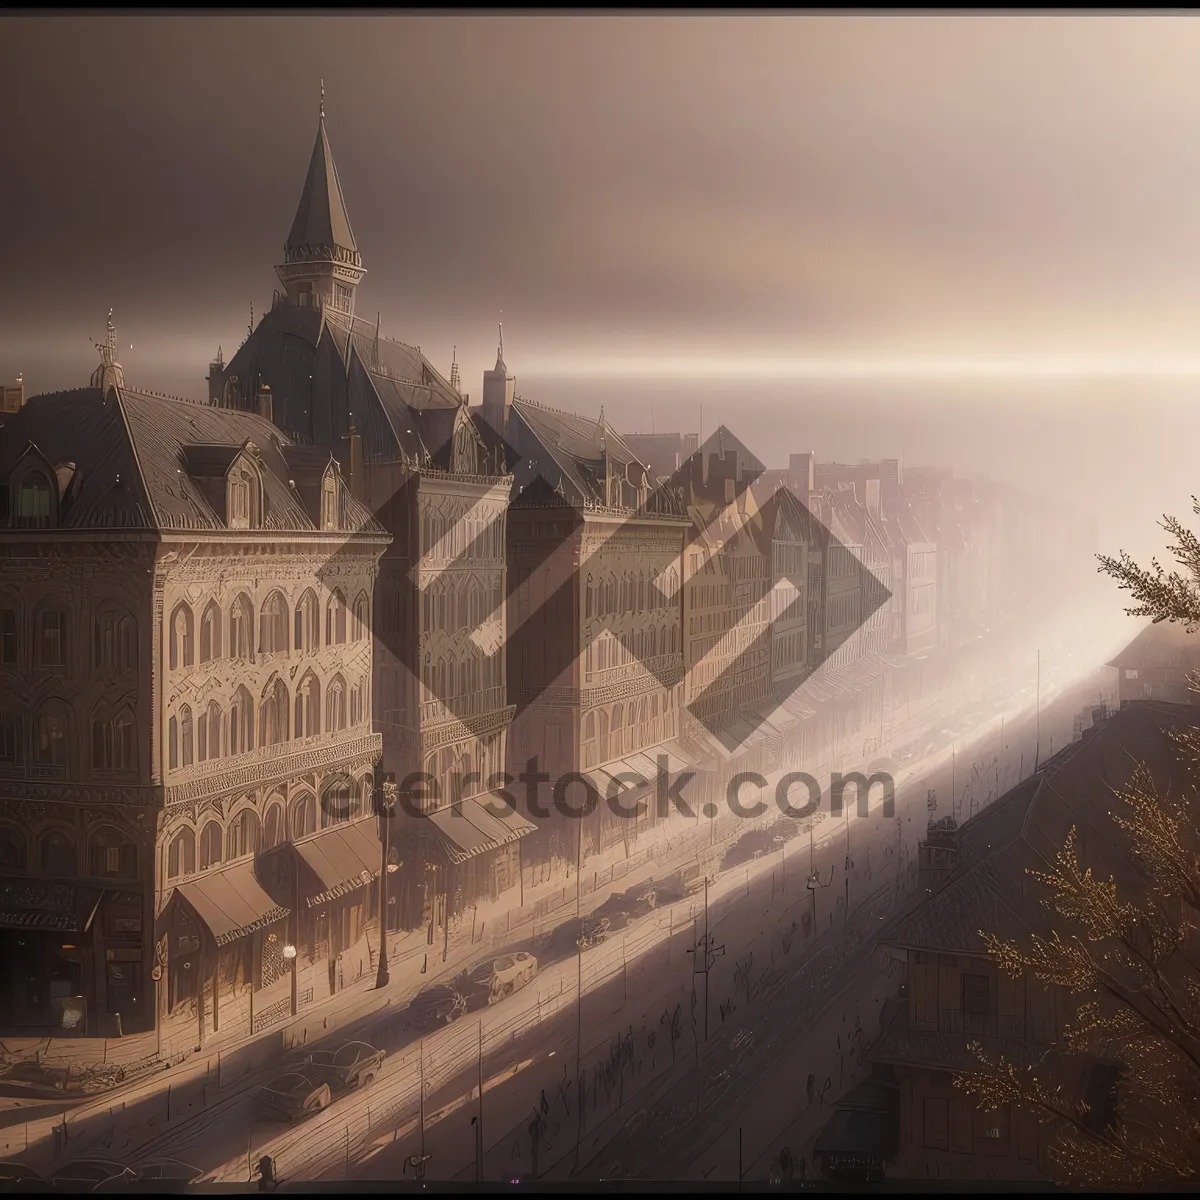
column 109, row 373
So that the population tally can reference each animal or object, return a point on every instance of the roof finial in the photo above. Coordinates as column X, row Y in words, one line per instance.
column 455, row 377
column 250, row 327
column 322, row 99
column 500, row 348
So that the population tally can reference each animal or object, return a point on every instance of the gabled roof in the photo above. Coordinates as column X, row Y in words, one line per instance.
column 1160, row 646
column 990, row 889
column 149, row 462
column 578, row 447
column 321, row 218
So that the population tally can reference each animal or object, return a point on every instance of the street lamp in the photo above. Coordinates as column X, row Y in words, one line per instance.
column 387, row 802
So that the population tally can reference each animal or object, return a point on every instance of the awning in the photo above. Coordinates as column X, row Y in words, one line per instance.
column 472, row 826
column 231, row 903
column 38, row 905
column 343, row 858
column 641, row 765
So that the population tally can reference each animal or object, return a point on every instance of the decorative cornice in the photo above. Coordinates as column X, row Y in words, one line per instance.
column 278, row 769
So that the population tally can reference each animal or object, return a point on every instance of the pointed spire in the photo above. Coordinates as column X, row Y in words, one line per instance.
column 321, row 226
column 108, row 373
column 455, row 378
column 603, row 427
column 500, row 350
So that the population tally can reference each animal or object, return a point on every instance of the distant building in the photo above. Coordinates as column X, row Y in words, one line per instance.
column 12, row 399
column 975, row 878
column 1157, row 665
column 186, row 755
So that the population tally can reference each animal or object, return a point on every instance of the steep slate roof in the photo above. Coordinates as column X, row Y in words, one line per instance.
column 990, row 888
column 321, row 218
column 1161, row 646
column 144, row 461
column 576, row 447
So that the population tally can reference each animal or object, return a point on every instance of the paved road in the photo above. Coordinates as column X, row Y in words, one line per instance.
column 642, row 1032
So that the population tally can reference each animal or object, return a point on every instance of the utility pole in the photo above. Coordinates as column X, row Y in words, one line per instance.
column 421, row 1054
column 708, row 953
column 479, row 1118
column 579, row 988
column 1038, row 753
column 385, row 798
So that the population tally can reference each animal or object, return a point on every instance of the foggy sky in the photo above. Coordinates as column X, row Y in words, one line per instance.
column 665, row 211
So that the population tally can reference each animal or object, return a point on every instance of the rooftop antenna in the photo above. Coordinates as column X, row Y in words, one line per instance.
column 500, row 348
column 455, row 378
column 322, row 99
column 250, row 327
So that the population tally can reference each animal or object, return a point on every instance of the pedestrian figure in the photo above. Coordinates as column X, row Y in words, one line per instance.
column 266, row 1174
column 786, row 1165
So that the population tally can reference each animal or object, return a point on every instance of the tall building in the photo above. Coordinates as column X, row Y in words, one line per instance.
column 418, row 459
column 595, row 661
column 186, row 754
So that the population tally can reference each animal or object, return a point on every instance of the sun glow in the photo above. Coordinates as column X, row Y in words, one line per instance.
column 917, row 368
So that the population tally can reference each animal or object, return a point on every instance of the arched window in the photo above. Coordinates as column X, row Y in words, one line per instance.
column 8, row 629
column 244, row 835
column 185, row 736
column 275, row 715
column 208, row 728
column 12, row 848
column 304, row 816
column 274, row 828
column 358, row 694
column 335, row 620
column 210, row 633
column 113, row 854
column 363, row 804
column 181, row 637
column 336, row 803
column 362, row 617
column 35, row 504
column 308, row 628
column 241, row 722
column 335, row 706
column 604, row 754
column 181, row 854
column 589, row 598
column 244, row 502
column 53, row 748
column 308, row 707
column 173, row 743
column 210, row 845
column 53, row 626
column 57, row 854
column 241, row 625
column 115, row 644
column 273, row 625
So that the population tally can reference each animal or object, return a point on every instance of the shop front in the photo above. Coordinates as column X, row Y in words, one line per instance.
column 46, row 981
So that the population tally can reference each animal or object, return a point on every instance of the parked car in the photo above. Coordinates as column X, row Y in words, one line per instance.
column 438, row 1005
column 503, row 976
column 355, row 1065
column 159, row 1174
column 89, row 1174
column 293, row 1096
column 17, row 1176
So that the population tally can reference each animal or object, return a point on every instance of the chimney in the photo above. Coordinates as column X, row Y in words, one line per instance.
column 265, row 406
column 802, row 474
column 216, row 379
column 358, row 476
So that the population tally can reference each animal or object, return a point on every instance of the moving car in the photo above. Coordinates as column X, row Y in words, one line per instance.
column 293, row 1096
column 88, row 1174
column 355, row 1065
column 440, row 1004
column 503, row 976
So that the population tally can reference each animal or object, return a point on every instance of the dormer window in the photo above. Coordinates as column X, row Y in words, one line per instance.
column 34, row 501
column 329, row 502
column 243, row 501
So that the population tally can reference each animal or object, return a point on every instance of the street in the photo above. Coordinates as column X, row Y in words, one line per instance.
column 669, row 1053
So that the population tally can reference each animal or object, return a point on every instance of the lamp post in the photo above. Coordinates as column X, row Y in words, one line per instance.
column 387, row 801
